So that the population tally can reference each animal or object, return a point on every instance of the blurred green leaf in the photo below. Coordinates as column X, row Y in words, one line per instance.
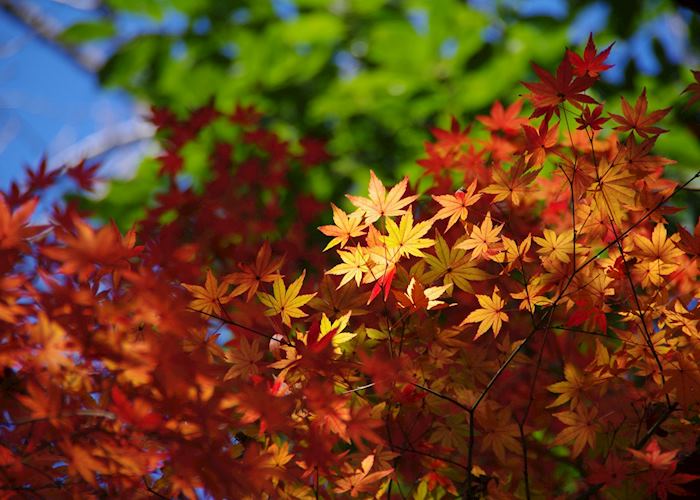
column 88, row 31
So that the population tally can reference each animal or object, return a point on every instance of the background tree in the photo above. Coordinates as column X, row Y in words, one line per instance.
column 343, row 71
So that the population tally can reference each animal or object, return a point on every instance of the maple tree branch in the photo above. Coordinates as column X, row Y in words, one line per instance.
column 152, row 491
column 429, row 455
column 232, row 322
column 47, row 30
column 650, row 432
column 597, row 334
column 80, row 413
column 523, row 446
column 442, row 396
column 470, row 455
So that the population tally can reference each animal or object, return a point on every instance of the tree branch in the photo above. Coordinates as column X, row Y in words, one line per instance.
column 48, row 30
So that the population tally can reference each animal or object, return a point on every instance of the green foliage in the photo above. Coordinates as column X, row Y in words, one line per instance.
column 372, row 76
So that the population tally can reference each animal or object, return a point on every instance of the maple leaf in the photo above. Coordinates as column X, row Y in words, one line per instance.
column 406, row 237
column 501, row 433
column 489, row 316
column 694, row 89
column 383, row 284
column 83, row 175
column 279, row 455
column 659, row 247
column 613, row 189
column 455, row 206
column 637, row 120
column 654, row 457
column 683, row 381
column 592, row 62
column 690, row 243
column 88, row 249
column 14, row 228
column 138, row 412
column 551, row 91
column 264, row 270
column 345, row 227
column 586, row 310
column 513, row 253
column 333, row 301
column 208, row 298
column 56, row 349
column 416, row 297
column 42, row 402
column 453, row 266
column 581, row 428
column 361, row 480
column 361, row 426
column 556, row 246
column 591, row 119
column 356, row 263
column 243, row 359
column 660, row 256
column 286, row 301
column 511, row 183
column 41, row 178
column 336, row 328
column 612, row 473
column 504, row 120
column 482, row 240
column 380, row 203
column 540, row 142
column 572, row 388
column 84, row 463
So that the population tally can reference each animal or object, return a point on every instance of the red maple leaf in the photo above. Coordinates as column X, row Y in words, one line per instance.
column 592, row 63
column 551, row 91
column 636, row 120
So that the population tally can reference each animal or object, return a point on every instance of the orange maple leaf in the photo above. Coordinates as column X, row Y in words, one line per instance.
column 208, row 298
column 344, row 227
column 380, row 203
column 489, row 316
column 264, row 270
column 455, row 206
column 582, row 428
column 361, row 479
column 512, row 183
column 483, row 239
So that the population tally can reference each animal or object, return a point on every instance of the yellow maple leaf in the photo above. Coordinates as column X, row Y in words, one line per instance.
column 556, row 246
column 406, row 237
column 571, row 389
column 356, row 263
column 286, row 301
column 489, row 316
column 613, row 190
column 453, row 266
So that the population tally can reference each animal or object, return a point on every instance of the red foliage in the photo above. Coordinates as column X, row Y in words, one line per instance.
column 465, row 343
